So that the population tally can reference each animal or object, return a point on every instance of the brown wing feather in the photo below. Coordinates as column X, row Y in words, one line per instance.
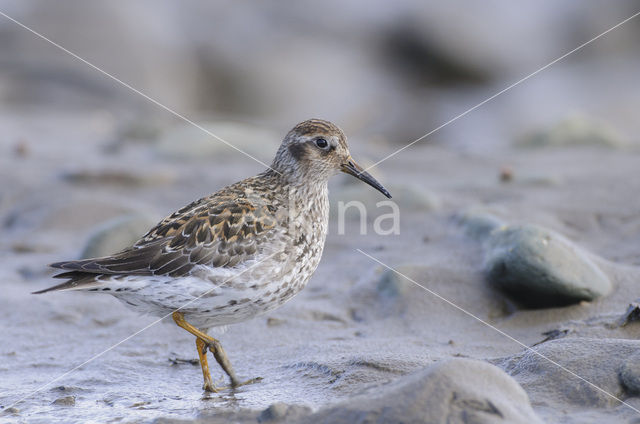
column 220, row 231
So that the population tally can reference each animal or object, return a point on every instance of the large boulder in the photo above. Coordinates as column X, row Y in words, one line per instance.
column 575, row 130
column 452, row 391
column 538, row 267
column 630, row 374
column 606, row 368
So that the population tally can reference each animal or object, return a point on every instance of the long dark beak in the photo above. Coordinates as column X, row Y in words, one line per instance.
column 356, row 170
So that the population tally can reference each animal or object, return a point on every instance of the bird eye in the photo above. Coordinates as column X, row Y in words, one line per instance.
column 322, row 143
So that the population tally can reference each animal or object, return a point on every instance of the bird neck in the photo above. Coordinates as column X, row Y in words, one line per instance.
column 300, row 189
column 305, row 206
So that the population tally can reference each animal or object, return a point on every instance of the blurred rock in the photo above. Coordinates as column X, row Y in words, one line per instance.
column 452, row 391
column 67, row 389
column 219, row 416
column 117, row 234
column 274, row 322
column 506, row 174
column 145, row 128
column 631, row 315
column 406, row 197
column 21, row 247
column 187, row 142
column 315, row 315
column 154, row 56
column 116, row 178
column 576, row 130
column 65, row 401
column 630, row 374
column 425, row 60
column 392, row 285
column 478, row 222
column 279, row 412
column 596, row 360
column 540, row 268
column 21, row 148
column 540, row 180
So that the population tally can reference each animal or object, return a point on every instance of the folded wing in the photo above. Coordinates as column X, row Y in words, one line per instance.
column 218, row 231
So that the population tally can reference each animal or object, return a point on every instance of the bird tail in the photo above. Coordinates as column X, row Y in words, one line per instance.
column 76, row 281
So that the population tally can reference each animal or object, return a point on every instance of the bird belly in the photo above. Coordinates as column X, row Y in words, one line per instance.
column 216, row 297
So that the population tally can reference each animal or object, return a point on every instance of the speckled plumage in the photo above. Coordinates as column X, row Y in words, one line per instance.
column 237, row 253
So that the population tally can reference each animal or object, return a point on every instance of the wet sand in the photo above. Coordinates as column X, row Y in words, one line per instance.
column 356, row 330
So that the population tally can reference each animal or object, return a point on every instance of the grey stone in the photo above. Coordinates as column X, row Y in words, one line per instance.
column 392, row 285
column 452, row 391
column 418, row 58
column 478, row 223
column 65, row 401
column 575, row 130
column 632, row 314
column 280, row 411
column 540, row 268
column 116, row 234
column 541, row 180
column 273, row 321
column 117, row 178
column 219, row 416
column 606, row 363
column 630, row 374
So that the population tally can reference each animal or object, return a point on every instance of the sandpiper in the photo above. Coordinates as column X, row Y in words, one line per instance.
column 232, row 255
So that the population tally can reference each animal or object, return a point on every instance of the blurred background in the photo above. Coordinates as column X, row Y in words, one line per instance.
column 87, row 165
column 387, row 73
column 384, row 70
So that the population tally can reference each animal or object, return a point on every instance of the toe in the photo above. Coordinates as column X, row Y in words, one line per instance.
column 209, row 387
column 237, row 383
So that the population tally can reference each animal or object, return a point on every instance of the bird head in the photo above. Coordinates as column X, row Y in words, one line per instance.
column 317, row 149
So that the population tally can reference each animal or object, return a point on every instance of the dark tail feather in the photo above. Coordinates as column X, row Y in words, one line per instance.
column 77, row 281
column 69, row 285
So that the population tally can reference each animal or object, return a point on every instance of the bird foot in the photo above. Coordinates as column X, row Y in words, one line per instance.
column 236, row 384
column 210, row 387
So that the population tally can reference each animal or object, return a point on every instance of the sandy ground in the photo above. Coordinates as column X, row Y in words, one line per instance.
column 350, row 331
column 86, row 164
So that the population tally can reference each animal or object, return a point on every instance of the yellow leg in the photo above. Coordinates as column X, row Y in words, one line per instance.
column 202, row 353
column 204, row 341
